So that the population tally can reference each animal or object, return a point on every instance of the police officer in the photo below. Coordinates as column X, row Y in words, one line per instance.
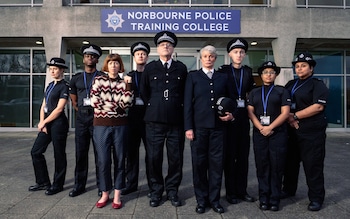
column 162, row 90
column 53, row 126
column 80, row 86
column 206, row 129
column 238, row 142
column 307, row 131
column 139, row 51
column 268, row 109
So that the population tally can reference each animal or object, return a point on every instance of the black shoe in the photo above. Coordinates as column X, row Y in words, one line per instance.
column 53, row 190
column 175, row 201
column 76, row 192
column 38, row 187
column 264, row 206
column 200, row 209
column 99, row 193
column 154, row 202
column 232, row 200
column 314, row 206
column 285, row 195
column 218, row 208
column 274, row 208
column 247, row 198
column 128, row 191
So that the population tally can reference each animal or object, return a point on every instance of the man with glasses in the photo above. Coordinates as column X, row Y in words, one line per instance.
column 162, row 90
column 80, row 86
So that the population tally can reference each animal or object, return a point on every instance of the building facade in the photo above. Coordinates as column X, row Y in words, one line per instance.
column 33, row 31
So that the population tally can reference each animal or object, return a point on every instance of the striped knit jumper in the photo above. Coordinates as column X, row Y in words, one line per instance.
column 110, row 98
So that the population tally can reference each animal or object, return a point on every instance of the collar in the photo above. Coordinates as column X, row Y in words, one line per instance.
column 169, row 62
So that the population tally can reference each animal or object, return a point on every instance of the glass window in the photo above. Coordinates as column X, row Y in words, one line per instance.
column 326, row 2
column 347, row 60
column 15, row 61
column 39, row 61
column 328, row 62
column 14, row 101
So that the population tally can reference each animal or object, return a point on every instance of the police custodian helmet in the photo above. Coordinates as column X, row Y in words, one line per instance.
column 224, row 104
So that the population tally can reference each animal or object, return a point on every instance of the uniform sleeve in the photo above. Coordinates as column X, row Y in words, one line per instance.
column 320, row 94
column 64, row 93
column 72, row 86
column 188, row 104
column 144, row 85
column 286, row 100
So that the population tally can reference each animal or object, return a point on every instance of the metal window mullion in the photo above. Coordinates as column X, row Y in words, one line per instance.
column 31, row 89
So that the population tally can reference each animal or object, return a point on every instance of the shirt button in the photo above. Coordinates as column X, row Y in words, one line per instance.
column 166, row 81
column 211, row 83
column 211, row 91
column 212, row 99
column 167, row 74
column 212, row 107
column 166, row 98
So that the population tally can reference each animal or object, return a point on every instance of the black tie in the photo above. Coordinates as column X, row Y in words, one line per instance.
column 166, row 66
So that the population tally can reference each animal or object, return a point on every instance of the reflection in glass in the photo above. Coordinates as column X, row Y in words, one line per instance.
column 14, row 61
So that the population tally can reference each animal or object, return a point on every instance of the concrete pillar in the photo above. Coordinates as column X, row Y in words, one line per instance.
column 283, row 51
column 54, row 47
column 52, row 3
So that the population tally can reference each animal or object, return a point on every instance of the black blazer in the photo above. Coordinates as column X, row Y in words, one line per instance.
column 201, row 94
column 162, row 91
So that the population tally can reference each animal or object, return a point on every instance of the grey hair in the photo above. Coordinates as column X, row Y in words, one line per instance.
column 211, row 49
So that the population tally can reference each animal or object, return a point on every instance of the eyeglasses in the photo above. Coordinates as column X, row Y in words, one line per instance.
column 165, row 44
column 268, row 72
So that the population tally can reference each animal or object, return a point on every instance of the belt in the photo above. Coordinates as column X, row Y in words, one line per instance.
column 87, row 111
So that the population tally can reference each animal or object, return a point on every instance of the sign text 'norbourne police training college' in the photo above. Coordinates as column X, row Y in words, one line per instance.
column 178, row 21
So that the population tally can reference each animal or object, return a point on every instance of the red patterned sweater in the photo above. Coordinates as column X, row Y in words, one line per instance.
column 110, row 99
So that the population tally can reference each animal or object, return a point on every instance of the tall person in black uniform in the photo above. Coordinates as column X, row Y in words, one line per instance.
column 139, row 51
column 162, row 90
column 307, row 132
column 238, row 142
column 52, row 127
column 80, row 86
column 268, row 109
column 206, row 129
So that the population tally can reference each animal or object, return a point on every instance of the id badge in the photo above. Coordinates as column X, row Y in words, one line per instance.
column 139, row 101
column 86, row 101
column 46, row 109
column 265, row 120
column 240, row 103
column 293, row 106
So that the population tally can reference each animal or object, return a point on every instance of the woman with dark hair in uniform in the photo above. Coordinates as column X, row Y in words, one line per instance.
column 307, row 132
column 53, row 126
column 268, row 109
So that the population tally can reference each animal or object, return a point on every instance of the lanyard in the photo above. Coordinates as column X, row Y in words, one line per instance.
column 48, row 92
column 87, row 88
column 136, row 81
column 294, row 89
column 264, row 100
column 239, row 88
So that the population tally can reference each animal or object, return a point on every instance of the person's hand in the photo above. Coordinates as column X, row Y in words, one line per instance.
column 266, row 131
column 44, row 130
column 189, row 134
column 227, row 117
column 127, row 79
column 41, row 125
column 292, row 122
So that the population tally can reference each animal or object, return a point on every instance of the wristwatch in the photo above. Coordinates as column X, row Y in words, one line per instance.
column 295, row 117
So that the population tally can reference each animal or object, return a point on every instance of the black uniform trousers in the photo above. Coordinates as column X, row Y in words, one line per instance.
column 174, row 138
column 57, row 134
column 83, row 135
column 308, row 146
column 137, row 133
column 237, row 156
column 207, row 161
column 270, row 154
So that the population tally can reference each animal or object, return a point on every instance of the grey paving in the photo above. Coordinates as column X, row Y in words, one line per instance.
column 16, row 175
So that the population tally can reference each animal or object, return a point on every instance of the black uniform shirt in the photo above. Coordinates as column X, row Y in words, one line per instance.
column 278, row 97
column 77, row 86
column 311, row 91
column 53, row 93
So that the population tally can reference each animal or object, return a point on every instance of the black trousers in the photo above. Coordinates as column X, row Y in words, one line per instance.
column 57, row 134
column 270, row 154
column 236, row 157
column 174, row 138
column 207, row 151
column 83, row 136
column 307, row 144
column 137, row 132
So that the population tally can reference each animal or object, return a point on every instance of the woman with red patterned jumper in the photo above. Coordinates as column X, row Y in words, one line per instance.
column 111, row 96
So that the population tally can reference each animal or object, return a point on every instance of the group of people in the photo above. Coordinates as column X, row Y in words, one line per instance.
column 160, row 103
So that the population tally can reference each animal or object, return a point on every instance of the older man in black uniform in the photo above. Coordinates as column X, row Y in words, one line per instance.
column 162, row 90
column 206, row 129
column 80, row 86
